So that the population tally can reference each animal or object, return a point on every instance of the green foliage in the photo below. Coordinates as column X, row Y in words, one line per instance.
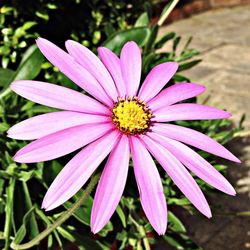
column 22, row 187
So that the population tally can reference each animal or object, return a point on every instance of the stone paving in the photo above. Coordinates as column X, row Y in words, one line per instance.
column 223, row 38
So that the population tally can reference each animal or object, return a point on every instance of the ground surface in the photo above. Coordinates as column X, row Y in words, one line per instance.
column 223, row 38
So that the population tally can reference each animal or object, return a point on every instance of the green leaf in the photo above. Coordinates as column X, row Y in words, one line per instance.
column 176, row 42
column 151, row 40
column 173, row 242
column 47, row 222
column 6, row 76
column 44, row 16
column 30, row 65
column 33, row 223
column 142, row 20
column 4, row 127
column 181, row 202
column 175, row 224
column 188, row 65
column 83, row 213
column 28, row 69
column 5, row 9
column 164, row 39
column 108, row 228
column 180, row 78
column 28, row 25
column 66, row 234
column 121, row 215
column 22, row 230
column 83, row 242
column 140, row 35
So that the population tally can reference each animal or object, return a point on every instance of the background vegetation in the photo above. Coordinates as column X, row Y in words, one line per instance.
column 22, row 187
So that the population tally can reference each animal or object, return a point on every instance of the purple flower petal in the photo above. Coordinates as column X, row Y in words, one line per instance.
column 157, row 78
column 194, row 138
column 42, row 125
column 58, row 97
column 195, row 163
column 74, row 71
column 176, row 93
column 61, row 143
column 92, row 63
column 78, row 170
column 131, row 67
column 112, row 63
column 189, row 111
column 150, row 187
column 179, row 174
column 111, row 185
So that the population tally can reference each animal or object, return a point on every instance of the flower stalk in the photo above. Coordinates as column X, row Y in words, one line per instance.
column 66, row 215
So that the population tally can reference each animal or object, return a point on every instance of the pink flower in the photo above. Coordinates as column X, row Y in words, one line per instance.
column 121, row 119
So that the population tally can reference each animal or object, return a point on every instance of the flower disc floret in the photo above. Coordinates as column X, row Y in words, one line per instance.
column 131, row 116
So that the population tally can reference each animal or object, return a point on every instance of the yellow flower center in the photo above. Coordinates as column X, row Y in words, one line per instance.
column 131, row 116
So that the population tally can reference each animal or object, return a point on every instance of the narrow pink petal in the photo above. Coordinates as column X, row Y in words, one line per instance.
column 92, row 63
column 58, row 97
column 42, row 125
column 74, row 71
column 112, row 63
column 150, row 187
column 189, row 111
column 111, row 185
column 179, row 174
column 195, row 163
column 194, row 138
column 78, row 170
column 131, row 67
column 157, row 78
column 61, row 143
column 176, row 93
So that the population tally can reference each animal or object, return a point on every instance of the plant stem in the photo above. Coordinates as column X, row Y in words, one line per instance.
column 168, row 11
column 61, row 219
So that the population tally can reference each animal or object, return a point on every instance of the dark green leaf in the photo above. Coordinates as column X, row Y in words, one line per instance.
column 164, row 39
column 27, row 200
column 176, row 42
column 31, row 64
column 188, row 65
column 22, row 230
column 151, row 40
column 140, row 35
column 180, row 78
column 6, row 76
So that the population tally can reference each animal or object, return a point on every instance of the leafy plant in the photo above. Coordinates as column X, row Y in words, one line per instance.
column 22, row 186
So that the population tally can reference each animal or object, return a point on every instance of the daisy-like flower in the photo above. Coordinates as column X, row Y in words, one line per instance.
column 121, row 119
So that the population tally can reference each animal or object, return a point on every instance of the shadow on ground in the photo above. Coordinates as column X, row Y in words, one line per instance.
column 228, row 229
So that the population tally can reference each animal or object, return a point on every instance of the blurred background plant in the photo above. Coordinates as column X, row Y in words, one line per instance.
column 22, row 187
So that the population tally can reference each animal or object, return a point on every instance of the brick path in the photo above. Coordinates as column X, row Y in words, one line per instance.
column 223, row 38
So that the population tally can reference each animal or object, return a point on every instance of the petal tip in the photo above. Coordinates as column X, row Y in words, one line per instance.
column 40, row 41
column 208, row 213
column 161, row 231
column 233, row 193
column 95, row 229
column 69, row 43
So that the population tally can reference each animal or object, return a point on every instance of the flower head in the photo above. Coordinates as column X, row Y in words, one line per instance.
column 118, row 120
